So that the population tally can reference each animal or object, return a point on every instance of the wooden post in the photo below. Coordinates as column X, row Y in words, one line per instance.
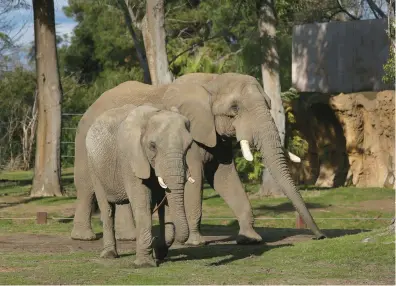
column 41, row 218
column 300, row 222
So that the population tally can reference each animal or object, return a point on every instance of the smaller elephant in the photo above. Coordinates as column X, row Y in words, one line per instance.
column 134, row 155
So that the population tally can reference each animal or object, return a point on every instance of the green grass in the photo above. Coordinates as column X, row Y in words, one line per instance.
column 325, row 205
column 343, row 259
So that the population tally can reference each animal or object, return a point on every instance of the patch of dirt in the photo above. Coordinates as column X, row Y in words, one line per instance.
column 42, row 243
column 376, row 205
column 19, row 206
column 9, row 269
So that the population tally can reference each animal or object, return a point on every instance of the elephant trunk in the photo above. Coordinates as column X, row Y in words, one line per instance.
column 172, row 173
column 266, row 139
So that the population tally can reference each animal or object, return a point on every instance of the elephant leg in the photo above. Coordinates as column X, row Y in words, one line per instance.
column 193, row 196
column 140, row 198
column 107, row 213
column 124, row 223
column 224, row 178
column 82, row 229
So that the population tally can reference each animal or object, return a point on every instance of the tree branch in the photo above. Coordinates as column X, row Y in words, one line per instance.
column 140, row 52
column 376, row 10
column 133, row 16
column 193, row 46
column 345, row 11
column 218, row 35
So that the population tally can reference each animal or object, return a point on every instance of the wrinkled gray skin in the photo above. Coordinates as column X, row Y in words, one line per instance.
column 219, row 107
column 128, row 148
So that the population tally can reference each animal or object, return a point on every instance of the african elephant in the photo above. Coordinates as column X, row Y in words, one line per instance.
column 219, row 107
column 129, row 148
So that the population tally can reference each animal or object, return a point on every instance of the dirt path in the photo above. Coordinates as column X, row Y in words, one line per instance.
column 43, row 243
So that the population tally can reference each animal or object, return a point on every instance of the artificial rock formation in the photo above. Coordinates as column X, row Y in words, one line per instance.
column 351, row 139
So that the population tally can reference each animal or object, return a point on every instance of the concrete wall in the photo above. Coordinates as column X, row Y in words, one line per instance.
column 340, row 56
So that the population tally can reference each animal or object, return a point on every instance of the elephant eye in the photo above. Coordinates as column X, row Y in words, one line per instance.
column 234, row 107
column 152, row 146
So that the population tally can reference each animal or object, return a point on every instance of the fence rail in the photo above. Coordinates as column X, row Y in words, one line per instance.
column 68, row 128
column 222, row 218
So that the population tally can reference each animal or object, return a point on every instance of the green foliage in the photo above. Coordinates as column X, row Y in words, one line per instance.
column 101, row 42
column 249, row 171
column 202, row 36
column 389, row 68
column 295, row 143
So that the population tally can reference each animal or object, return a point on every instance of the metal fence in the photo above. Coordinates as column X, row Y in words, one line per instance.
column 69, row 126
column 11, row 149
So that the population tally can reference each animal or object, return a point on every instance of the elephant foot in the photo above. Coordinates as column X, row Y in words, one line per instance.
column 109, row 254
column 248, row 237
column 196, row 239
column 160, row 252
column 79, row 234
column 145, row 263
column 319, row 236
column 125, row 236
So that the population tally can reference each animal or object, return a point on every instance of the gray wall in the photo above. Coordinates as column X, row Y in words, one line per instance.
column 340, row 56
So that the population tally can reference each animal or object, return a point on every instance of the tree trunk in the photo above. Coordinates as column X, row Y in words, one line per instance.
column 154, row 42
column 271, row 83
column 46, row 181
column 128, row 15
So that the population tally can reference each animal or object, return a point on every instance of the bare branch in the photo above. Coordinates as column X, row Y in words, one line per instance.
column 218, row 35
column 195, row 45
column 345, row 11
column 378, row 13
column 140, row 52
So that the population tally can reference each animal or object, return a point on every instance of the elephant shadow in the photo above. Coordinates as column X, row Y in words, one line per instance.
column 221, row 242
column 229, row 252
column 270, row 234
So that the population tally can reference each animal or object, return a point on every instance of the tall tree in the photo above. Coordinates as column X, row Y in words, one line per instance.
column 267, row 21
column 154, row 42
column 46, row 181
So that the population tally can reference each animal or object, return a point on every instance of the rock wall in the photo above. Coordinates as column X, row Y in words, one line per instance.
column 351, row 139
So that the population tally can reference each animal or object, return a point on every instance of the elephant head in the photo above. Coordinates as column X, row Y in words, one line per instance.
column 160, row 139
column 235, row 105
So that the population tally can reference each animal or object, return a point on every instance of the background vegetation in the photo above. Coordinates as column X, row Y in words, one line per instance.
column 202, row 36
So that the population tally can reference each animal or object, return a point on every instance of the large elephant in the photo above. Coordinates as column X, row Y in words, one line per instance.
column 129, row 148
column 219, row 107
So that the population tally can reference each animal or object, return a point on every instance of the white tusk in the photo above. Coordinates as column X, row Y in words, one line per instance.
column 246, row 150
column 294, row 158
column 191, row 180
column 161, row 182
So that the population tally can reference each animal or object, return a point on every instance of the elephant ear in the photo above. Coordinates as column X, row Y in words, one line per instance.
column 129, row 139
column 193, row 101
column 265, row 95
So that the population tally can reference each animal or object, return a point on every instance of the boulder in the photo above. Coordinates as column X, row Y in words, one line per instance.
column 351, row 139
